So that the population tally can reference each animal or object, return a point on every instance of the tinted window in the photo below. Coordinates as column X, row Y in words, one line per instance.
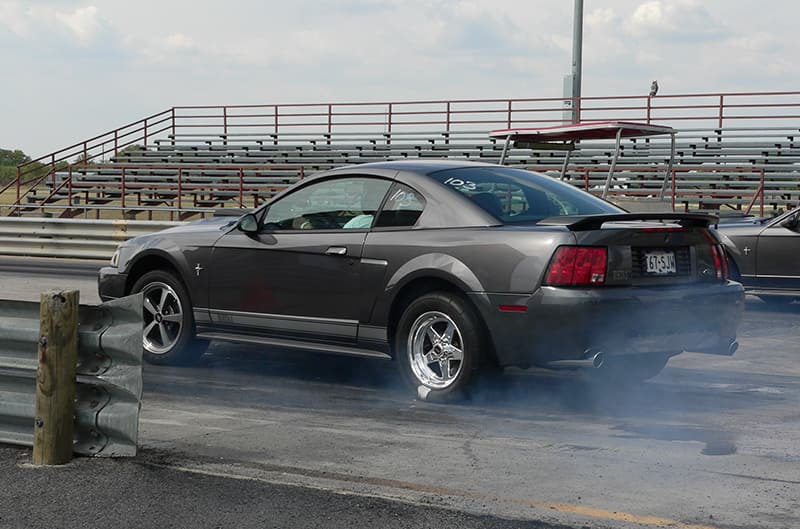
column 343, row 203
column 402, row 208
column 518, row 196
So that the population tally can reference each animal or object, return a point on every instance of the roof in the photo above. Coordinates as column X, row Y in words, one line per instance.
column 419, row 165
column 584, row 131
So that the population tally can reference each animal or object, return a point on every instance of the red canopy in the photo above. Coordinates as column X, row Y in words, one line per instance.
column 606, row 130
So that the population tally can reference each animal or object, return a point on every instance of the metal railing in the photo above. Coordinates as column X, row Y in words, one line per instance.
column 109, row 375
column 97, row 147
column 742, row 188
column 85, row 239
column 711, row 110
column 239, row 181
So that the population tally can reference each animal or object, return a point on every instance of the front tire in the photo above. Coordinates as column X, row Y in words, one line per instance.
column 169, row 330
column 438, row 345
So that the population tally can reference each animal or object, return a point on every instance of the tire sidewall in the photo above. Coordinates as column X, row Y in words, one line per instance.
column 464, row 318
column 182, row 352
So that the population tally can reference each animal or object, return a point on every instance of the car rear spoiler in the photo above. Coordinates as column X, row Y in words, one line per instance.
column 595, row 222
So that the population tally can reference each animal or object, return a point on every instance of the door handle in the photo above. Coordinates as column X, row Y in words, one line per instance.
column 336, row 250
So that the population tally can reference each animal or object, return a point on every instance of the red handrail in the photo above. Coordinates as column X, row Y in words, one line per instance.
column 96, row 146
column 389, row 115
column 235, row 169
column 758, row 194
column 714, row 110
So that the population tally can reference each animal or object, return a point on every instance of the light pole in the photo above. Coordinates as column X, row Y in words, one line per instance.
column 577, row 60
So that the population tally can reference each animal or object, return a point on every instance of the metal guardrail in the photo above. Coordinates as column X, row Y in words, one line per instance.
column 109, row 375
column 83, row 239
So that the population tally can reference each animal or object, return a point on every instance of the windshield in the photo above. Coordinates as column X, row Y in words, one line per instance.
column 518, row 196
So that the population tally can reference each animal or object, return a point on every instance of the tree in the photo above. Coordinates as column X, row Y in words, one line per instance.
column 10, row 159
column 13, row 158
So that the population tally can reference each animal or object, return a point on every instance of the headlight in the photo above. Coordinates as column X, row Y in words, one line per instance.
column 115, row 258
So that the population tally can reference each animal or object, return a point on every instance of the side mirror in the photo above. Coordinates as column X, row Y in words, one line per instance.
column 248, row 224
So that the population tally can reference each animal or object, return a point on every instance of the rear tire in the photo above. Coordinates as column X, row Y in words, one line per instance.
column 438, row 345
column 169, row 331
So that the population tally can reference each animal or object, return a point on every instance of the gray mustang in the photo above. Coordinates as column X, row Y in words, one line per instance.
column 766, row 255
column 446, row 267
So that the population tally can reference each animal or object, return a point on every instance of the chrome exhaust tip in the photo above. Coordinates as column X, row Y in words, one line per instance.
column 591, row 359
column 733, row 347
column 598, row 359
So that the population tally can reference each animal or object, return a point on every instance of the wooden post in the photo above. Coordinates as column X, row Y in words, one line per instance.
column 55, row 379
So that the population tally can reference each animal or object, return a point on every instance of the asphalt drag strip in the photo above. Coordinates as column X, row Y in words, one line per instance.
column 145, row 492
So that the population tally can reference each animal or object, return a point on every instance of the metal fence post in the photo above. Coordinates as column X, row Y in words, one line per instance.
column 55, row 378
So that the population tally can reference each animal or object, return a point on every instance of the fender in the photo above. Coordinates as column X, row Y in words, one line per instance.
column 172, row 254
column 430, row 265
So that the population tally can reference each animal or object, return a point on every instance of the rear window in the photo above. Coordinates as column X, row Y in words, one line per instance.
column 518, row 196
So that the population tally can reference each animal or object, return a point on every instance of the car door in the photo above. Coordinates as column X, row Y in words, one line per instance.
column 778, row 259
column 299, row 276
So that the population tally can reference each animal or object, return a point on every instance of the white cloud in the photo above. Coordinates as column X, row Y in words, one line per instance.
column 648, row 16
column 13, row 17
column 601, row 17
column 45, row 24
column 179, row 41
column 780, row 66
column 758, row 42
column 673, row 19
column 83, row 22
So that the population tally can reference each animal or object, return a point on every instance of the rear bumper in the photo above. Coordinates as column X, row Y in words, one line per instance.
column 110, row 283
column 562, row 324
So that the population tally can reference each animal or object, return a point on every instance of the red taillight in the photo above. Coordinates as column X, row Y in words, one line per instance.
column 720, row 262
column 720, row 259
column 577, row 265
column 512, row 308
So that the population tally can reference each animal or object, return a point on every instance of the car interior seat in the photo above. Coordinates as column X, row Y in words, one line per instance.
column 540, row 205
column 489, row 202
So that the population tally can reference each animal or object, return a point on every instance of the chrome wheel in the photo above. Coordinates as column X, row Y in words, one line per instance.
column 163, row 318
column 435, row 350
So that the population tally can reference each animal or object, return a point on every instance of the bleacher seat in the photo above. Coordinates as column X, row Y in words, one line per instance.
column 712, row 167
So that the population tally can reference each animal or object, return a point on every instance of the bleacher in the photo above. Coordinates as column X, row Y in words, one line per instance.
column 189, row 174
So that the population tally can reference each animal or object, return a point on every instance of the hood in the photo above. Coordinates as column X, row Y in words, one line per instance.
column 726, row 222
column 200, row 232
column 211, row 224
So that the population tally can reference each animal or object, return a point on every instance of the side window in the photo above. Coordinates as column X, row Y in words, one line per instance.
column 338, row 204
column 507, row 200
column 518, row 196
column 402, row 208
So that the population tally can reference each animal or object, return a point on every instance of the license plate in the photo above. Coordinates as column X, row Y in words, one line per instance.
column 660, row 263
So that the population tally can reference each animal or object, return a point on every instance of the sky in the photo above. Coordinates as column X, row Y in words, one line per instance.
column 70, row 70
